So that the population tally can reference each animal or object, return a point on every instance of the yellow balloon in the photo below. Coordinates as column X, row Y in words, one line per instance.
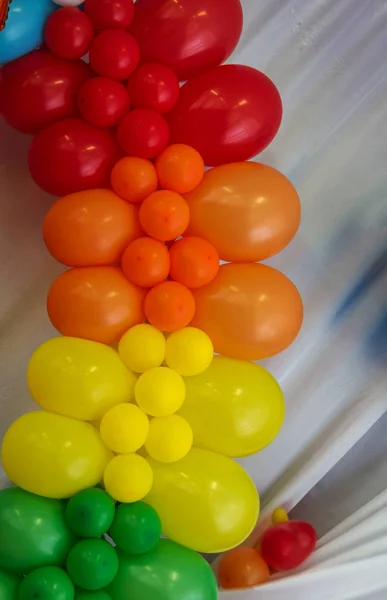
column 206, row 501
column 78, row 378
column 124, row 428
column 128, row 478
column 189, row 351
column 142, row 348
column 53, row 456
column 235, row 407
column 160, row 392
column 170, row 439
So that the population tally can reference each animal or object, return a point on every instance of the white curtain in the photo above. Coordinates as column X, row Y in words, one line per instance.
column 328, row 58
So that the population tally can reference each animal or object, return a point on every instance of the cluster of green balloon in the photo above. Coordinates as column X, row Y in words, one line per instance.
column 39, row 539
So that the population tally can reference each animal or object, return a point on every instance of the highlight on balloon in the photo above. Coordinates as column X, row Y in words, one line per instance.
column 125, row 471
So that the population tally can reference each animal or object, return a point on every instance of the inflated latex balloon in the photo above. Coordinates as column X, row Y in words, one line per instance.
column 88, row 595
column 92, row 564
column 39, row 89
column 287, row 545
column 189, row 351
column 206, row 501
column 78, row 378
column 9, row 585
column 170, row 439
column 154, row 86
column 136, row 528
column 189, row 36
column 250, row 311
column 142, row 348
column 242, row 567
column 248, row 211
column 229, row 394
column 53, row 456
column 24, row 29
column 168, row 572
column 95, row 303
column 160, row 391
column 128, row 478
column 124, row 428
column 71, row 156
column 90, row 512
column 68, row 33
column 229, row 114
column 33, row 532
column 50, row 583
column 68, row 2
column 110, row 14
column 90, row 228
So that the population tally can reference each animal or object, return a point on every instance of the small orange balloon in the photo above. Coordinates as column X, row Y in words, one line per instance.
column 242, row 568
column 248, row 211
column 179, row 168
column 94, row 303
column 134, row 178
column 164, row 215
column 146, row 262
column 90, row 228
column 250, row 311
column 169, row 306
column 194, row 262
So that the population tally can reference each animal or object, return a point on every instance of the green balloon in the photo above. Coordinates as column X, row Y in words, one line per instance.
column 9, row 585
column 136, row 528
column 92, row 564
column 90, row 512
column 47, row 583
column 97, row 595
column 33, row 531
column 168, row 572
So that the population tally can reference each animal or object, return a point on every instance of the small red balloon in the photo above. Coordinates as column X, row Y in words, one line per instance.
column 103, row 102
column 71, row 156
column 287, row 545
column 68, row 33
column 154, row 86
column 110, row 14
column 229, row 114
column 39, row 89
column 143, row 133
column 189, row 36
column 115, row 54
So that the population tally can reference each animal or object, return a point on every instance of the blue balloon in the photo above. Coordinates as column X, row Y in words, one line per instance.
column 23, row 30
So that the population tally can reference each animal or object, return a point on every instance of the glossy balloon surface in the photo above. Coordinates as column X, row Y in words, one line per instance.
column 68, row 33
column 206, row 501
column 287, row 545
column 95, row 303
column 92, row 564
column 9, row 585
column 235, row 407
column 168, row 572
column 229, row 114
column 250, row 311
column 33, row 531
column 154, row 86
column 90, row 512
column 47, row 583
column 39, row 89
column 103, row 102
column 78, row 378
column 242, row 568
column 248, row 211
column 71, row 156
column 53, row 456
column 110, row 14
column 189, row 36
column 24, row 30
column 114, row 53
column 136, row 528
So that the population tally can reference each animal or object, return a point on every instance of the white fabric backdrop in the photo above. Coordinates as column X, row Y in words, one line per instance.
column 328, row 59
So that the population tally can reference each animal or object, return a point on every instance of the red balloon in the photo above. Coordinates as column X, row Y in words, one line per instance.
column 115, row 54
column 103, row 102
column 287, row 545
column 39, row 89
column 143, row 133
column 68, row 33
column 154, row 86
column 189, row 36
column 110, row 14
column 71, row 156
column 229, row 114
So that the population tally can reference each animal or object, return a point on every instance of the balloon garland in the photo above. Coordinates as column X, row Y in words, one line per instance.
column 133, row 398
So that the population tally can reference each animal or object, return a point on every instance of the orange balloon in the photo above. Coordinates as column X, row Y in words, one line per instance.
column 247, row 210
column 146, row 262
column 242, row 568
column 194, row 262
column 90, row 228
column 250, row 311
column 94, row 303
column 134, row 178
column 179, row 168
column 164, row 215
column 169, row 306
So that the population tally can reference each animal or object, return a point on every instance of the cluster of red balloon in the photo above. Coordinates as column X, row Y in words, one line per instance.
column 57, row 551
